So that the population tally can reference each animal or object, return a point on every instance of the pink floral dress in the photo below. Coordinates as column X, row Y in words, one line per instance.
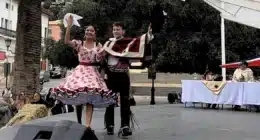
column 85, row 84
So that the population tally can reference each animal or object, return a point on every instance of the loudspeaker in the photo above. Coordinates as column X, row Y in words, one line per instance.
column 48, row 130
column 171, row 98
column 132, row 101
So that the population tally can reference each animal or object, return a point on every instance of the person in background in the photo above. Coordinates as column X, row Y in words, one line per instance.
column 242, row 74
column 209, row 76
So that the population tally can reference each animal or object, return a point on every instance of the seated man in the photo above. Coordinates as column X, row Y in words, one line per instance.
column 243, row 74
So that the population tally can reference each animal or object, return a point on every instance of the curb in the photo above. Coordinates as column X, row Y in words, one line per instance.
column 145, row 99
column 156, row 85
column 148, row 98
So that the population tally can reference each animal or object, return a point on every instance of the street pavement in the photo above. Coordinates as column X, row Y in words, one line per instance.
column 174, row 122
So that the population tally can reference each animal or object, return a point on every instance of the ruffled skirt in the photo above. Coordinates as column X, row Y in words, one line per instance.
column 84, row 86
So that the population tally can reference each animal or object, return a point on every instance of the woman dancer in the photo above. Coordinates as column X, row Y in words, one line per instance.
column 85, row 84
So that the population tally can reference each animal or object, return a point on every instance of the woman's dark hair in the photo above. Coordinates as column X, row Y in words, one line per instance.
column 206, row 73
column 79, row 34
column 218, row 78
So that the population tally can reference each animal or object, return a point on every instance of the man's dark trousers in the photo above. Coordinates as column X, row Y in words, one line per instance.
column 119, row 82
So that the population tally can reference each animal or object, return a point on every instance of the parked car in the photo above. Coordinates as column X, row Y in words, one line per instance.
column 57, row 72
column 44, row 76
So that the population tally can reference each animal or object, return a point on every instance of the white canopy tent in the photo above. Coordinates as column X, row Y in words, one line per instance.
column 242, row 11
column 245, row 12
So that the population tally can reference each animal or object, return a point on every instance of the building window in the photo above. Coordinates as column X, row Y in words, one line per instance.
column 49, row 32
column 45, row 32
column 7, row 5
column 2, row 22
column 6, row 23
column 10, row 25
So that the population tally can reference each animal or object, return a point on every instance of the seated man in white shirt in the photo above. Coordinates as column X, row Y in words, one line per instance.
column 243, row 74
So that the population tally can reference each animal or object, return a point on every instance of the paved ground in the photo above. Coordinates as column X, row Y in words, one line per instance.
column 173, row 122
column 142, row 89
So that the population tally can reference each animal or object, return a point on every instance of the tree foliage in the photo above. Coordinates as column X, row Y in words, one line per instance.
column 189, row 42
column 60, row 54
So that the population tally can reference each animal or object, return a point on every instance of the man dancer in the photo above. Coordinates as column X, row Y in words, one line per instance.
column 120, row 51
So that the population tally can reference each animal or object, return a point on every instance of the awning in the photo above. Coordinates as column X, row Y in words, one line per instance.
column 251, row 63
column 2, row 56
column 240, row 11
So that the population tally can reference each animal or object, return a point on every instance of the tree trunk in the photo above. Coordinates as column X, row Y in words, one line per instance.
column 28, row 48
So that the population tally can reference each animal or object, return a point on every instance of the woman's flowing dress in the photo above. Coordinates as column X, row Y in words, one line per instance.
column 85, row 84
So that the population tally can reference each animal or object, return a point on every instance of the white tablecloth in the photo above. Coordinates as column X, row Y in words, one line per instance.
column 196, row 91
column 251, row 93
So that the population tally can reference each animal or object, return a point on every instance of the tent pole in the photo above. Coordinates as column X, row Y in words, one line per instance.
column 223, row 49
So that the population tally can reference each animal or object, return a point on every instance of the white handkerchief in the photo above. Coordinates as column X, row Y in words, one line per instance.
column 75, row 19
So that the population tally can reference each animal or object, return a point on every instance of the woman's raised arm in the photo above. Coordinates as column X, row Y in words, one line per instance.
column 67, row 34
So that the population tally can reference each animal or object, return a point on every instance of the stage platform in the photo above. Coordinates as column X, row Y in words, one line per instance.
column 174, row 122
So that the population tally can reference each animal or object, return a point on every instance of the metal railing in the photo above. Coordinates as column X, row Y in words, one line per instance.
column 8, row 32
